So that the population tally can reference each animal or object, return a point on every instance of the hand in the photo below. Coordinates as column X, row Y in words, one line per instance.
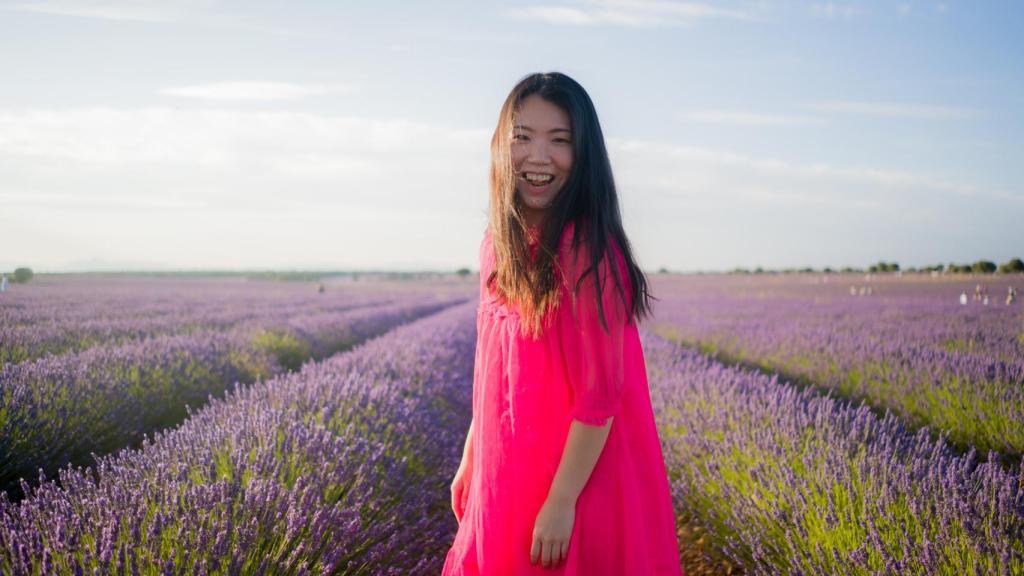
column 460, row 489
column 551, row 532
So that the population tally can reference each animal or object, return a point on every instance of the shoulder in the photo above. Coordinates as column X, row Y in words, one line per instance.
column 575, row 254
column 486, row 255
column 611, row 276
column 485, row 243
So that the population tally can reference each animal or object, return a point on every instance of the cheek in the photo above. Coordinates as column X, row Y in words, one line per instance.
column 565, row 162
column 518, row 154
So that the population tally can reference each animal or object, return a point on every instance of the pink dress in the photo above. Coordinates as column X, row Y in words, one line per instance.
column 525, row 394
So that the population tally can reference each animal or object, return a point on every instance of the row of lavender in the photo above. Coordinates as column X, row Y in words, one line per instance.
column 57, row 315
column 63, row 409
column 910, row 347
column 327, row 471
column 792, row 482
column 323, row 471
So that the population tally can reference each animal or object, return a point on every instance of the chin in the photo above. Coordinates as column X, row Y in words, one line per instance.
column 535, row 202
column 534, row 205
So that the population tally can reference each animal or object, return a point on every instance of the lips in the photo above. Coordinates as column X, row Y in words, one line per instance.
column 537, row 178
column 536, row 183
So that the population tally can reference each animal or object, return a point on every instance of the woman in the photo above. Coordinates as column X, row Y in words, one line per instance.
column 562, row 470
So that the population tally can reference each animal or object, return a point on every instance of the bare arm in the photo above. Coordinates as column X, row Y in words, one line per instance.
column 553, row 527
column 582, row 448
column 463, row 477
column 467, row 450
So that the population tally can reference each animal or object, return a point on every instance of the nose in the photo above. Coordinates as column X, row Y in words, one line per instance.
column 538, row 153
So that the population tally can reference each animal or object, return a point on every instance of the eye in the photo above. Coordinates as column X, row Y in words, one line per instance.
column 563, row 140
column 520, row 137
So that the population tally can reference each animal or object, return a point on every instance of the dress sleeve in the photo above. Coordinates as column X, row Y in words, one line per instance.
column 593, row 355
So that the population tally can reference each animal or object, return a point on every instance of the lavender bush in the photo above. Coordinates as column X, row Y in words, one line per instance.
column 71, row 314
column 62, row 409
column 910, row 347
column 790, row 482
column 325, row 471
column 343, row 466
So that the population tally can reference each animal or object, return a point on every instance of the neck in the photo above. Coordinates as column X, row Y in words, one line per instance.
column 534, row 218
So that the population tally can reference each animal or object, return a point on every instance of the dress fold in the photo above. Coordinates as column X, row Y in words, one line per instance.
column 525, row 395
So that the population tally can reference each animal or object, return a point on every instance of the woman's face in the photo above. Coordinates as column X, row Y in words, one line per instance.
column 542, row 154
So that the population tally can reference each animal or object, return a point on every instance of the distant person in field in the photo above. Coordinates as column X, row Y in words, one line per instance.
column 562, row 469
column 1011, row 295
column 3, row 283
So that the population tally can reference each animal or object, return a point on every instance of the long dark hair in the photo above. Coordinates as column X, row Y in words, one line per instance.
column 588, row 199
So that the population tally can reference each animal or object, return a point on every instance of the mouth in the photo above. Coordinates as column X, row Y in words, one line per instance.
column 536, row 182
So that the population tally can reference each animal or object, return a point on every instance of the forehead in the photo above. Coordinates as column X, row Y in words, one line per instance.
column 539, row 114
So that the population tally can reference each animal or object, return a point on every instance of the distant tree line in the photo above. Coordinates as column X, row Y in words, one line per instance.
column 21, row 275
column 884, row 267
column 1013, row 266
column 24, row 274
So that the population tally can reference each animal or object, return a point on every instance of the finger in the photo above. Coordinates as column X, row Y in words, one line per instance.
column 534, row 551
column 545, row 554
column 564, row 551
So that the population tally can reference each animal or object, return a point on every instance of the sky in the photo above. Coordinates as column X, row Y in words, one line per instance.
column 207, row 134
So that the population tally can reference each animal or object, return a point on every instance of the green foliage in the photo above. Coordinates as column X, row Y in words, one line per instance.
column 884, row 267
column 983, row 267
column 462, row 272
column 289, row 350
column 971, row 413
column 23, row 275
column 1014, row 266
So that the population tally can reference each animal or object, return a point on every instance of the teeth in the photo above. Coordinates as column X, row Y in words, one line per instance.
column 539, row 178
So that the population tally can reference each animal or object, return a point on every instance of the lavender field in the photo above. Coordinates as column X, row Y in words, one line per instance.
column 909, row 346
column 104, row 362
column 806, row 430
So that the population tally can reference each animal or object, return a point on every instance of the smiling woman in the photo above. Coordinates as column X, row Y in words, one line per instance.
column 562, row 469
column 541, row 154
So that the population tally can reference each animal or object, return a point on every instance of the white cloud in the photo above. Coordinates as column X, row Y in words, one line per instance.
column 46, row 200
column 228, row 188
column 742, row 118
column 559, row 15
column 255, row 91
column 692, row 208
column 832, row 10
column 235, row 188
column 201, row 13
column 692, row 168
column 893, row 109
column 630, row 13
column 132, row 10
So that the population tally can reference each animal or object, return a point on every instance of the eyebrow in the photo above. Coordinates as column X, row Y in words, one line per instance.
column 553, row 130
